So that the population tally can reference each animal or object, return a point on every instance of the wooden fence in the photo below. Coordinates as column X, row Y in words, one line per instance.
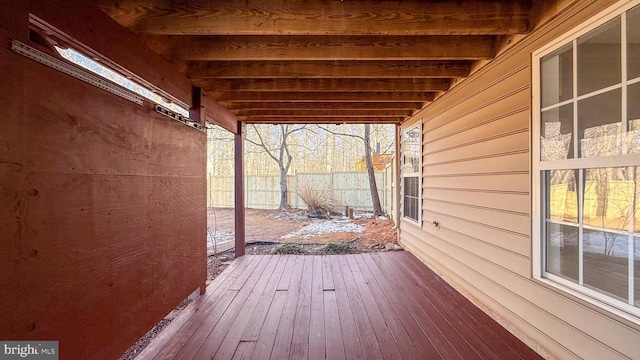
column 263, row 192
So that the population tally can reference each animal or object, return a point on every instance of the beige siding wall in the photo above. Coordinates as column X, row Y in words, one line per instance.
column 476, row 185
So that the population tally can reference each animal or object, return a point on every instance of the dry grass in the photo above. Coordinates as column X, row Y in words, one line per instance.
column 319, row 199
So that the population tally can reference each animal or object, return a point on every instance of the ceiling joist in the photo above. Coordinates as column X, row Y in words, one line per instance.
column 318, row 48
column 329, row 61
column 326, row 69
column 381, row 18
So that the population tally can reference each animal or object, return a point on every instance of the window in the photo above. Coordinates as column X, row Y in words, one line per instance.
column 587, row 161
column 411, row 173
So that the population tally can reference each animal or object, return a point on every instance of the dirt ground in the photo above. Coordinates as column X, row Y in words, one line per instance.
column 276, row 231
column 294, row 226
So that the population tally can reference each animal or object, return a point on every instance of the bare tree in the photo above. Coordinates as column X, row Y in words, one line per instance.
column 373, row 187
column 276, row 145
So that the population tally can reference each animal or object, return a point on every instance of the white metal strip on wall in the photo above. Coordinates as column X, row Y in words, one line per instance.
column 74, row 71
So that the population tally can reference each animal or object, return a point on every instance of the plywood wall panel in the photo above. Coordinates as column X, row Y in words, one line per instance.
column 103, row 217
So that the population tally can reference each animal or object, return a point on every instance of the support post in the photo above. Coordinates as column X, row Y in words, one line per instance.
column 239, row 190
column 397, row 180
column 197, row 111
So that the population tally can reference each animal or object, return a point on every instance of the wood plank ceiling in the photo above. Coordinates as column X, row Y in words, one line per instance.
column 323, row 61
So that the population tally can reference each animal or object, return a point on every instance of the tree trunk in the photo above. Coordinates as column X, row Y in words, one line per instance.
column 284, row 204
column 375, row 199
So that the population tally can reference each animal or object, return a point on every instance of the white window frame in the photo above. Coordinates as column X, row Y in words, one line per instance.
column 417, row 174
column 596, row 298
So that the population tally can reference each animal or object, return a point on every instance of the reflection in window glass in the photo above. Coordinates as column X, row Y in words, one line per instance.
column 599, row 64
column 606, row 257
column 633, row 43
column 633, row 106
column 411, row 198
column 556, row 132
column 591, row 218
column 609, row 195
column 557, row 76
column 636, row 270
column 599, row 124
column 562, row 195
column 411, row 151
column 562, row 251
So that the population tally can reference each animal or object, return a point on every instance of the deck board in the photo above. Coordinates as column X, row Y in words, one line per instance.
column 362, row 306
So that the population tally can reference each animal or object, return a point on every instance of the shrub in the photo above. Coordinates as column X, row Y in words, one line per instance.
column 288, row 249
column 338, row 248
column 318, row 199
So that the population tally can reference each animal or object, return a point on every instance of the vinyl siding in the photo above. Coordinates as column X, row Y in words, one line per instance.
column 476, row 183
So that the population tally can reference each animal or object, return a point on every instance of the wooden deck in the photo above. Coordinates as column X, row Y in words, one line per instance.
column 364, row 306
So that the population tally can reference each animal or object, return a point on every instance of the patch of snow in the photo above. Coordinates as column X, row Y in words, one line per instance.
column 382, row 217
column 362, row 215
column 218, row 237
column 324, row 227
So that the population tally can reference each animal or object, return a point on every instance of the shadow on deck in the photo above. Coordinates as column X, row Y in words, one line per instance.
column 364, row 306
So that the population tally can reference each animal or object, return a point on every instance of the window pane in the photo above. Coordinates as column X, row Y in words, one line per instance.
column 557, row 76
column 411, row 150
column 609, row 195
column 636, row 270
column 633, row 43
column 562, row 251
column 599, row 63
column 606, row 262
column 632, row 143
column 600, row 125
column 556, row 131
column 562, row 196
column 411, row 198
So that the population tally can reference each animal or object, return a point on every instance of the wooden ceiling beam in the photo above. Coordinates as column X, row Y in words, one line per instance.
column 327, row 69
column 216, row 86
column 321, row 17
column 322, row 113
column 256, row 105
column 323, row 120
column 328, row 96
column 281, row 47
